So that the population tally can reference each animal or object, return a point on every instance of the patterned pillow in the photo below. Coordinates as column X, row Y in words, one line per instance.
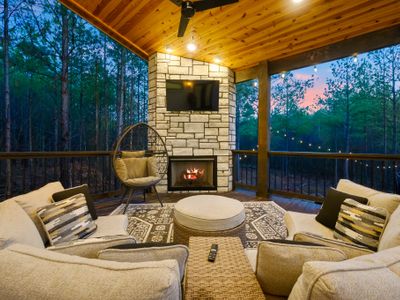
column 67, row 220
column 360, row 224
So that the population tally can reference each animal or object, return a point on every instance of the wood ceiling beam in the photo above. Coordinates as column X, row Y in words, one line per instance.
column 98, row 23
column 246, row 74
column 363, row 43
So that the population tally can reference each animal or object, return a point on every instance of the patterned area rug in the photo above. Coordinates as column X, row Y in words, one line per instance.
column 153, row 223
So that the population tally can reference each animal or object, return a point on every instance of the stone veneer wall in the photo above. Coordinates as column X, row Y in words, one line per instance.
column 191, row 132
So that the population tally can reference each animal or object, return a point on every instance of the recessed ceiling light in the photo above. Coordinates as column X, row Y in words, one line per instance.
column 169, row 49
column 191, row 47
column 217, row 60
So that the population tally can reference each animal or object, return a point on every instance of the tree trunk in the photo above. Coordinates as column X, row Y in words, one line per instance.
column 394, row 106
column 7, row 108
column 105, row 99
column 347, row 123
column 97, row 104
column 65, row 136
column 121, row 91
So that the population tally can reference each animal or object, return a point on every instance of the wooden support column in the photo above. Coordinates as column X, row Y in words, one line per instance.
column 264, row 89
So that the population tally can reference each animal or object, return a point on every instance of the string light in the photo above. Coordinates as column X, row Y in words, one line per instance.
column 315, row 69
column 355, row 58
column 283, row 74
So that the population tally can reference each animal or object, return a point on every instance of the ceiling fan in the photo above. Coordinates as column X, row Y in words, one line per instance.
column 189, row 8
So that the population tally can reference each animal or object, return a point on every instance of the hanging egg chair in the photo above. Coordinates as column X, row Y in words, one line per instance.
column 140, row 160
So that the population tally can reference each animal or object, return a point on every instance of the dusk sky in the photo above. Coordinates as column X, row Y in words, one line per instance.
column 323, row 72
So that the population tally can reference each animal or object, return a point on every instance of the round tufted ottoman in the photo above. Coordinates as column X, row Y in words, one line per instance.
column 208, row 215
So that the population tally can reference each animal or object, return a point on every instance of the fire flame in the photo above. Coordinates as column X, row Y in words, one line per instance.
column 193, row 174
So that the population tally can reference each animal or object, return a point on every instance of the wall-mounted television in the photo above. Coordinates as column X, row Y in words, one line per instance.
column 192, row 95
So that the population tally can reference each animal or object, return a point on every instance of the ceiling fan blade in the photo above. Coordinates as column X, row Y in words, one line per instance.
column 182, row 26
column 177, row 2
column 204, row 5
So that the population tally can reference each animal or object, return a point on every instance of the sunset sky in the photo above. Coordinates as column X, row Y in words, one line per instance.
column 323, row 72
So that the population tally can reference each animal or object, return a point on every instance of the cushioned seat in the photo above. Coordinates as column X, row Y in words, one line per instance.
column 209, row 212
column 301, row 222
column 144, row 181
column 111, row 226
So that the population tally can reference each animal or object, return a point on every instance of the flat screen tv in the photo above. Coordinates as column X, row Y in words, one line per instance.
column 192, row 95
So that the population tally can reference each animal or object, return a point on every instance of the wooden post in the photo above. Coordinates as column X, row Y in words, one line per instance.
column 263, row 129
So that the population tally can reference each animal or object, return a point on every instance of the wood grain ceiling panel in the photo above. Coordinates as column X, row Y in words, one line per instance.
column 242, row 34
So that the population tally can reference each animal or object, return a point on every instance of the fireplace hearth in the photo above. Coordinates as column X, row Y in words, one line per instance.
column 190, row 173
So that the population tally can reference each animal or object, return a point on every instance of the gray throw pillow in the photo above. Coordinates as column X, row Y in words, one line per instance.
column 329, row 212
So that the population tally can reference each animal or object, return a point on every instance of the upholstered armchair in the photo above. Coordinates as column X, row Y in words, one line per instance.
column 136, row 172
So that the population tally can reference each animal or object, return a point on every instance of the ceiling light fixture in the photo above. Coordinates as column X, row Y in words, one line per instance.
column 191, row 47
column 297, row 1
column 169, row 49
column 355, row 57
column 283, row 74
column 315, row 69
column 217, row 60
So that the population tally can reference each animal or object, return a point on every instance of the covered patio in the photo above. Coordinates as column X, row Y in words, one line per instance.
column 268, row 211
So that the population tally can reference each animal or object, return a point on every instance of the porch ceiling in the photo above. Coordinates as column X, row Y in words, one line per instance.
column 242, row 34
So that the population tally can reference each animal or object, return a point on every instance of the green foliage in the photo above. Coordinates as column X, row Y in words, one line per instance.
column 358, row 111
column 93, row 79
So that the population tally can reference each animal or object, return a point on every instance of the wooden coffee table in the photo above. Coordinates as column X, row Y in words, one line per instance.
column 229, row 277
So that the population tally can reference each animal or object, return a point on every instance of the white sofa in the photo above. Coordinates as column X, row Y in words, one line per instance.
column 363, row 273
column 29, row 270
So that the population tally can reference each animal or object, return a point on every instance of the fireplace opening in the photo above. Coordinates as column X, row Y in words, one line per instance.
column 187, row 173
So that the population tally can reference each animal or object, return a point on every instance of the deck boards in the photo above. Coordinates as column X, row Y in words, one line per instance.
column 107, row 205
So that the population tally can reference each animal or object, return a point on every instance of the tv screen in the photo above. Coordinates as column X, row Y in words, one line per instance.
column 192, row 95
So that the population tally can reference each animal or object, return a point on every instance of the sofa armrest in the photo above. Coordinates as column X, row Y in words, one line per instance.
column 351, row 250
column 135, row 253
column 280, row 263
column 91, row 246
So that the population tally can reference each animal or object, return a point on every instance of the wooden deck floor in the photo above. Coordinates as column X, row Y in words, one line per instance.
column 106, row 206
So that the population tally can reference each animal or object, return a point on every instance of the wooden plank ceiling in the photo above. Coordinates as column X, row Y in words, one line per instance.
column 241, row 34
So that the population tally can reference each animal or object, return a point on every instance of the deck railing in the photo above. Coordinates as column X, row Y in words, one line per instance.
column 309, row 174
column 30, row 170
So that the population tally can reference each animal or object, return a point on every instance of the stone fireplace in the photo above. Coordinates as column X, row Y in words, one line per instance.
column 194, row 134
column 192, row 173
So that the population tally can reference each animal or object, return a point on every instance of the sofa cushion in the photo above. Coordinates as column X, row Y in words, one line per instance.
column 391, row 235
column 301, row 222
column 360, row 224
column 90, row 247
column 82, row 189
column 350, row 249
column 373, row 277
column 376, row 198
column 29, row 273
column 147, row 252
column 67, row 220
column 280, row 263
column 330, row 208
column 111, row 226
column 30, row 202
column 16, row 226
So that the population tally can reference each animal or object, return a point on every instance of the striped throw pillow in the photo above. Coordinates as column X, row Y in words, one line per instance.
column 360, row 224
column 67, row 220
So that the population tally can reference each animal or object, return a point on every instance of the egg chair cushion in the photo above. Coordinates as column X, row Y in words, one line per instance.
column 142, row 182
column 132, row 154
